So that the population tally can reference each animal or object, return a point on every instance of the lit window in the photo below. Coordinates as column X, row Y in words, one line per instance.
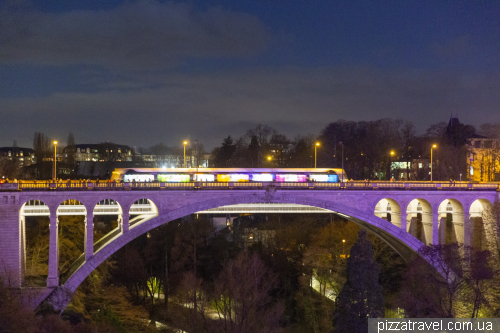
column 420, row 165
column 250, row 236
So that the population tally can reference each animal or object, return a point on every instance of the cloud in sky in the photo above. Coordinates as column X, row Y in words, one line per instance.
column 134, row 35
column 210, row 106
column 148, row 71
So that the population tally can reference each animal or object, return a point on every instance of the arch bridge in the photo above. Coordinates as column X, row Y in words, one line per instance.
column 407, row 216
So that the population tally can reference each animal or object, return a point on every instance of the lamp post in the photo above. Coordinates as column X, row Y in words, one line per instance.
column 390, row 165
column 185, row 143
column 55, row 160
column 343, row 244
column 197, row 156
column 342, row 160
column 315, row 153
column 433, row 146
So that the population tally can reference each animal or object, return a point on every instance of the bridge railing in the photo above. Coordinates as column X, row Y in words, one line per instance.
column 347, row 185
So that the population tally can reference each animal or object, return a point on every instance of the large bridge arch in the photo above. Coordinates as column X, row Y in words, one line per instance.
column 405, row 244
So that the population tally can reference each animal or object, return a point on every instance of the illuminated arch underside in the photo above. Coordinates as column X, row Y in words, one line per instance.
column 256, row 208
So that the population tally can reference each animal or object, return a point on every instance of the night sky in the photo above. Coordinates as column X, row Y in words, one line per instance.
column 144, row 72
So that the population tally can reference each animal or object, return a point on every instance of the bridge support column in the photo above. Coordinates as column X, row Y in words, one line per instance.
column 435, row 228
column 410, row 224
column 125, row 222
column 22, row 245
column 89, row 237
column 442, row 230
column 459, row 227
column 467, row 229
column 403, row 216
column 459, row 232
column 53, row 276
column 428, row 232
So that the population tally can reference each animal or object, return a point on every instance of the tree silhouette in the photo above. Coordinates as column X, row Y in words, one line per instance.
column 361, row 297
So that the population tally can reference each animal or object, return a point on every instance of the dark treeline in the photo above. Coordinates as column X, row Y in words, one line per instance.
column 365, row 147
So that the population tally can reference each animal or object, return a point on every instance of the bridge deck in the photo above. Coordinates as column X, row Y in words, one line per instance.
column 350, row 185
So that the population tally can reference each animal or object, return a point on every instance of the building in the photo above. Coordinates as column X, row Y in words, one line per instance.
column 24, row 156
column 102, row 152
column 251, row 236
column 484, row 159
column 175, row 161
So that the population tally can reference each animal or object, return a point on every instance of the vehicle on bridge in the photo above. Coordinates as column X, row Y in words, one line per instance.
column 178, row 175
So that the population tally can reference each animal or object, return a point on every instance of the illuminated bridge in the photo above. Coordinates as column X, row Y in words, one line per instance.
column 405, row 215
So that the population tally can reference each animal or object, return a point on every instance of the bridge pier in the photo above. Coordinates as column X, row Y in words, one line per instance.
column 22, row 245
column 442, row 230
column 435, row 228
column 458, row 228
column 10, row 236
column 53, row 275
column 428, row 232
column 125, row 224
column 89, row 237
column 404, row 216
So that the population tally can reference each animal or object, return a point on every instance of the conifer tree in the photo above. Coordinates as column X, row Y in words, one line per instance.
column 361, row 297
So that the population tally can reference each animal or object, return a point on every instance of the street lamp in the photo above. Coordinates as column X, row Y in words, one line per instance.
column 390, row 165
column 343, row 244
column 55, row 159
column 433, row 146
column 315, row 153
column 197, row 156
column 342, row 160
column 185, row 143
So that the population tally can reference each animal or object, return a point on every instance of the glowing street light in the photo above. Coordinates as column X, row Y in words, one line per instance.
column 343, row 244
column 55, row 159
column 185, row 143
column 315, row 153
column 342, row 160
column 433, row 146
column 390, row 165
column 269, row 158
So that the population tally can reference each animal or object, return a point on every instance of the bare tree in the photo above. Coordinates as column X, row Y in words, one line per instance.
column 242, row 296
column 70, row 149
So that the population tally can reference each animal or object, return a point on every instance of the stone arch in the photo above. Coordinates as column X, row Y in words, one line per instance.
column 71, row 207
column 34, row 221
column 451, row 221
column 34, row 207
column 419, row 220
column 105, row 226
column 142, row 210
column 483, row 225
column 389, row 210
column 73, row 217
column 401, row 241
